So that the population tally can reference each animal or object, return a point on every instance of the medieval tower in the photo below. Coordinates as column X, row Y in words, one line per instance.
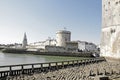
column 110, row 38
column 63, row 36
column 24, row 43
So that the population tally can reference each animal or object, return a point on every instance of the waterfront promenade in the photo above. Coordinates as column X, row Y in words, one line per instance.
column 87, row 69
column 15, row 71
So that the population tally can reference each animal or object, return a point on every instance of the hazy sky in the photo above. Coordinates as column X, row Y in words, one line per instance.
column 41, row 19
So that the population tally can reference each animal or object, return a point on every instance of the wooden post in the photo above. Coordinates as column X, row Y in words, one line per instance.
column 77, row 62
column 32, row 68
column 68, row 63
column 85, row 62
column 63, row 64
column 0, row 74
column 56, row 65
column 41, row 67
column 49, row 66
column 22, row 69
column 10, row 73
column 73, row 63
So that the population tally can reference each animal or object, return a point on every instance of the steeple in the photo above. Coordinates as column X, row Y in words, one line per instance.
column 24, row 43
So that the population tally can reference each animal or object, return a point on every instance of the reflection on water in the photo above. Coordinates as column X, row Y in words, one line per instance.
column 12, row 59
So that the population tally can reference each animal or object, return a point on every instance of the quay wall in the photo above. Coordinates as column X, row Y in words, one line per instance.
column 72, row 54
column 80, row 54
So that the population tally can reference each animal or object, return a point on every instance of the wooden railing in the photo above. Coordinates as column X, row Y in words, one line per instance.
column 13, row 70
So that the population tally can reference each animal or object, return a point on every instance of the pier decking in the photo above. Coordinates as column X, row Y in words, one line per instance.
column 14, row 70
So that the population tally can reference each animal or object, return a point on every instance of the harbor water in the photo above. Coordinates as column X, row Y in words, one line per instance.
column 13, row 59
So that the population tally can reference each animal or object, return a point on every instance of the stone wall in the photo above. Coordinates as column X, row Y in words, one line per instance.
column 110, row 37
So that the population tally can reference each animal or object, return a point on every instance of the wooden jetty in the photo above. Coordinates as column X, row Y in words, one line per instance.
column 13, row 70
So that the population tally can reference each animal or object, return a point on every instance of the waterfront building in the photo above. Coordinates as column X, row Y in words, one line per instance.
column 87, row 46
column 55, row 49
column 42, row 44
column 24, row 43
column 62, row 43
column 72, row 46
column 110, row 38
column 15, row 45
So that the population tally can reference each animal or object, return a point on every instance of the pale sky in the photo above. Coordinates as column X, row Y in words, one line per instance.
column 41, row 19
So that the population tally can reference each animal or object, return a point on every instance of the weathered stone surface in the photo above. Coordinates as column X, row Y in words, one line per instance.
column 110, row 38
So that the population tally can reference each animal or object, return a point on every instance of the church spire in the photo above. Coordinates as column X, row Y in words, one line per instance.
column 24, row 43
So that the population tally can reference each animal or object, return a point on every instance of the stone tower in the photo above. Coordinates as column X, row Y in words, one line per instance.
column 63, row 36
column 110, row 37
column 24, row 43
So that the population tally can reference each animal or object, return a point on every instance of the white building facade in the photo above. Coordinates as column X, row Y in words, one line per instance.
column 42, row 44
column 54, row 49
column 87, row 46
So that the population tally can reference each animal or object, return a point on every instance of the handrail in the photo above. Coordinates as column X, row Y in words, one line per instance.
column 37, row 63
column 57, row 65
column 84, row 60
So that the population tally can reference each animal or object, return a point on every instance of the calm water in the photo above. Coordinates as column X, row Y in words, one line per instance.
column 11, row 59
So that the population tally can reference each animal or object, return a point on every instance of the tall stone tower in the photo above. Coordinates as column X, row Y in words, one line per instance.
column 63, row 36
column 24, row 43
column 110, row 38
